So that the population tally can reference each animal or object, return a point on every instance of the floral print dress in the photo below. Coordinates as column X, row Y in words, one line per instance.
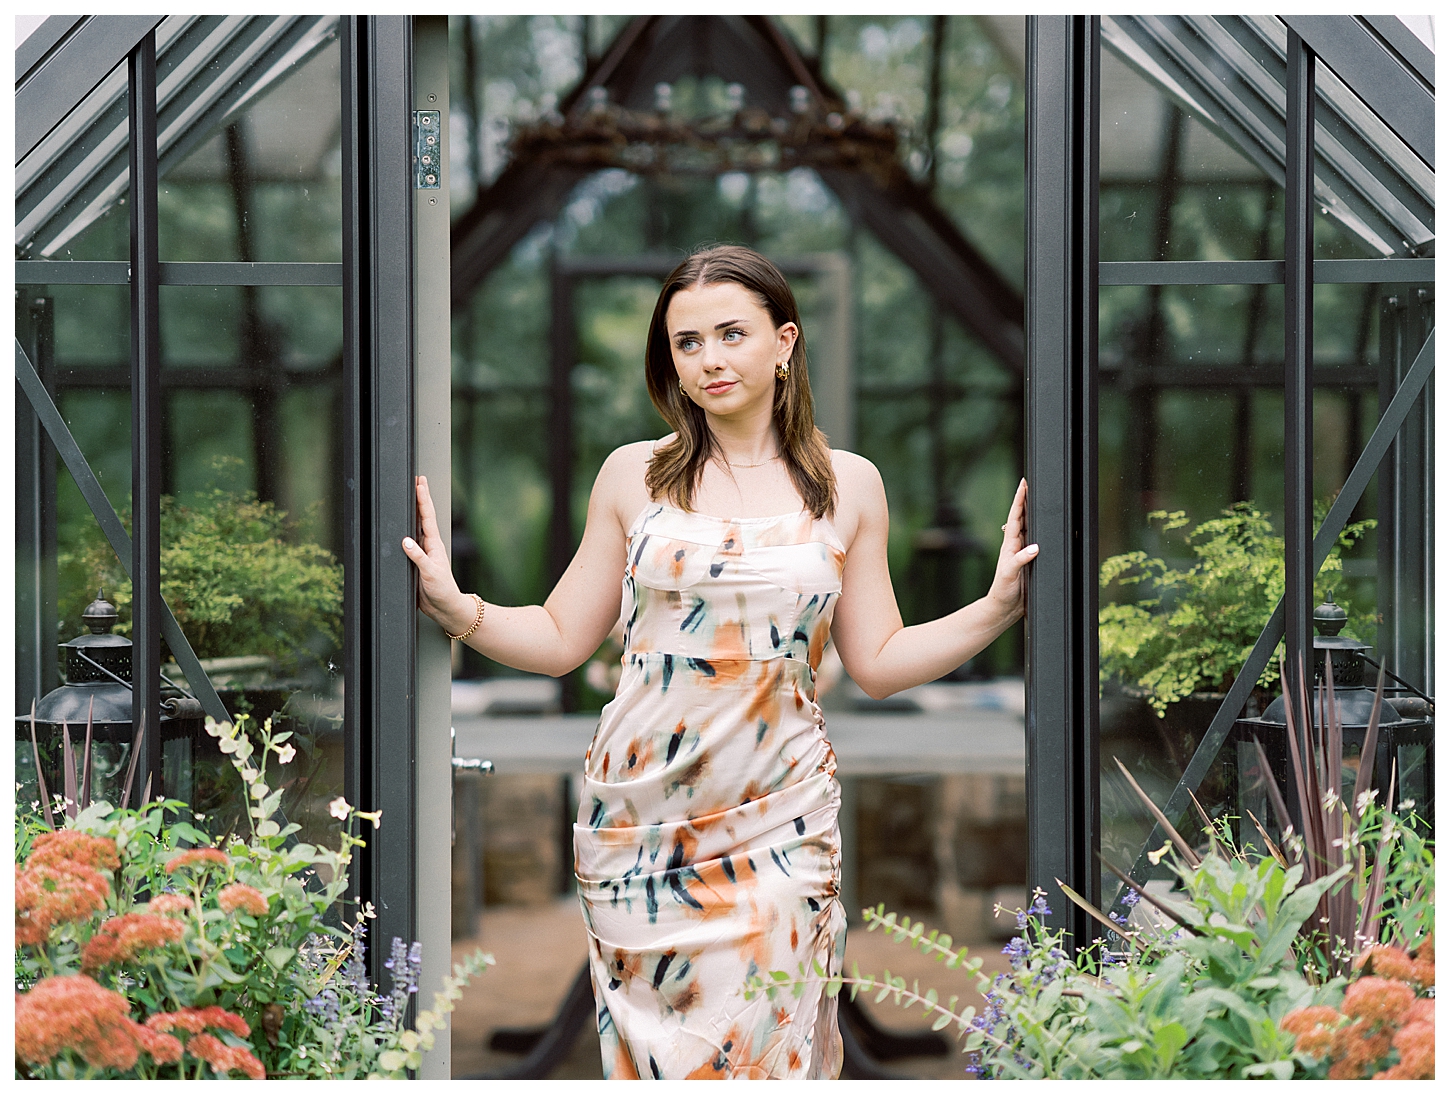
column 706, row 848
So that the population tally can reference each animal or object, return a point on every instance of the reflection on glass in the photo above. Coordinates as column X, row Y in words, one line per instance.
column 252, row 472
column 1191, row 420
column 1171, row 188
column 265, row 184
column 208, row 68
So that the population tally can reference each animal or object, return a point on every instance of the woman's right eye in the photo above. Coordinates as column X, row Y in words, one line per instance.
column 687, row 344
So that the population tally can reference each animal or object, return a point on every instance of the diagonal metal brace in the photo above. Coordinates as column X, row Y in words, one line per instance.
column 1334, row 522
column 105, row 515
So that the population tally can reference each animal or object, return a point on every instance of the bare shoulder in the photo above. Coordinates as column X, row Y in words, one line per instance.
column 620, row 485
column 860, row 494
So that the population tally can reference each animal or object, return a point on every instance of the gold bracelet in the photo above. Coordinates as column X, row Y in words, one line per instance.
column 476, row 621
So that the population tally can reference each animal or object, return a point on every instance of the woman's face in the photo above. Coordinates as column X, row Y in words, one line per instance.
column 726, row 347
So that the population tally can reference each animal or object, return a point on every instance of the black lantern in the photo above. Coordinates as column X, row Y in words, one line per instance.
column 1405, row 740
column 97, row 689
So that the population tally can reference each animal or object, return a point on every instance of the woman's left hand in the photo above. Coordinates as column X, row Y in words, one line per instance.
column 1009, row 586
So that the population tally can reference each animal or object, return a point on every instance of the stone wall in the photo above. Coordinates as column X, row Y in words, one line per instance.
column 942, row 847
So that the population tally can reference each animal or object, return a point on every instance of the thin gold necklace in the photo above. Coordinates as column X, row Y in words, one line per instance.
column 762, row 464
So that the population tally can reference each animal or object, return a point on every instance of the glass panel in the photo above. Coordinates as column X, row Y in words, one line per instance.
column 249, row 530
column 82, row 355
column 265, row 184
column 1191, row 421
column 66, row 191
column 208, row 68
column 1229, row 73
column 1171, row 188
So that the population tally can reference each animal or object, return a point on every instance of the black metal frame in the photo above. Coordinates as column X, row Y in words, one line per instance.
column 1061, row 461
column 380, row 592
column 62, row 65
column 1062, row 376
column 1298, row 359
column 146, row 426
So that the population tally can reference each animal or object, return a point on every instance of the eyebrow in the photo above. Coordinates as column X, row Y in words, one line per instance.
column 718, row 327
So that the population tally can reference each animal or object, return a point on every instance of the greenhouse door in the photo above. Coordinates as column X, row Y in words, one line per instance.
column 233, row 308
column 1244, row 203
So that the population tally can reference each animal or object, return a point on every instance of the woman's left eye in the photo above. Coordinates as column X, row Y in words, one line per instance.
column 734, row 333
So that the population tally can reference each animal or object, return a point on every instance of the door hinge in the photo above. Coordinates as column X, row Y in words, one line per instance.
column 427, row 149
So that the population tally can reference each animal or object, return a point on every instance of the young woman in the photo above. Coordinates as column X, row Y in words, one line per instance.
column 707, row 849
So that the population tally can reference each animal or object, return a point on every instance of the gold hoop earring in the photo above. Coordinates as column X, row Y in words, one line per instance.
column 682, row 390
column 782, row 370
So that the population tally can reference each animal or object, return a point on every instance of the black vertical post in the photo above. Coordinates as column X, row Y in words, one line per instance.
column 380, row 587
column 146, row 434
column 257, row 344
column 1406, row 488
column 36, row 664
column 352, row 438
column 1061, row 458
column 562, row 348
column 1299, row 355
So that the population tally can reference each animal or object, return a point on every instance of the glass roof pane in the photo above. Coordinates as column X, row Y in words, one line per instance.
column 208, row 68
column 266, row 186
column 1228, row 72
column 1171, row 187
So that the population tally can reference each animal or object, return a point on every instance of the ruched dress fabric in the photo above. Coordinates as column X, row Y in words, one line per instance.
column 707, row 849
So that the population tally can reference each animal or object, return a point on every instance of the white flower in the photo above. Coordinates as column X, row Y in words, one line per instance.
column 339, row 808
column 285, row 753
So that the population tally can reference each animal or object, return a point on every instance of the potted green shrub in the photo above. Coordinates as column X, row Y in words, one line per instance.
column 1190, row 629
column 261, row 605
column 1173, row 635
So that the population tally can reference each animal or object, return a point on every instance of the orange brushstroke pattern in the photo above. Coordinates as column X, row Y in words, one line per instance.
column 707, row 848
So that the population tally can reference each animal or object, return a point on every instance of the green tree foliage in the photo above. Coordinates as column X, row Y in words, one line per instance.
column 1195, row 627
column 232, row 572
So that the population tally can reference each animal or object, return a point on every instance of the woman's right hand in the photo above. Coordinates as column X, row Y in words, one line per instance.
column 438, row 594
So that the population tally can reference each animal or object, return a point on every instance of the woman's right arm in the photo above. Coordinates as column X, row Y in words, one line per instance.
column 559, row 635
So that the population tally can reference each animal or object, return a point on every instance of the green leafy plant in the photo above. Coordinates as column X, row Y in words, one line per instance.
column 234, row 571
column 1195, row 627
column 1214, row 981
column 225, row 952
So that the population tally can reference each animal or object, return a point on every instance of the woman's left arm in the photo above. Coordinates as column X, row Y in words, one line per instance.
column 881, row 655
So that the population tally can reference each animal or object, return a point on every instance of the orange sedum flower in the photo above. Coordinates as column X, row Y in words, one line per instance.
column 124, row 938
column 224, row 1058
column 47, row 894
column 1357, row 1048
column 237, row 896
column 1416, row 1044
column 1376, row 1000
column 1304, row 1020
column 200, row 858
column 170, row 904
column 74, row 1013
column 69, row 846
column 196, row 1020
column 1391, row 962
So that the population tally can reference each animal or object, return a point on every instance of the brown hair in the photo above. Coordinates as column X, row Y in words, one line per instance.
column 675, row 468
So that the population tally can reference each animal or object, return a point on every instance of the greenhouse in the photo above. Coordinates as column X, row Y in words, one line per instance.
column 1177, row 272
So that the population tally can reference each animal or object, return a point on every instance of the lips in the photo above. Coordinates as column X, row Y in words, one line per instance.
column 720, row 386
